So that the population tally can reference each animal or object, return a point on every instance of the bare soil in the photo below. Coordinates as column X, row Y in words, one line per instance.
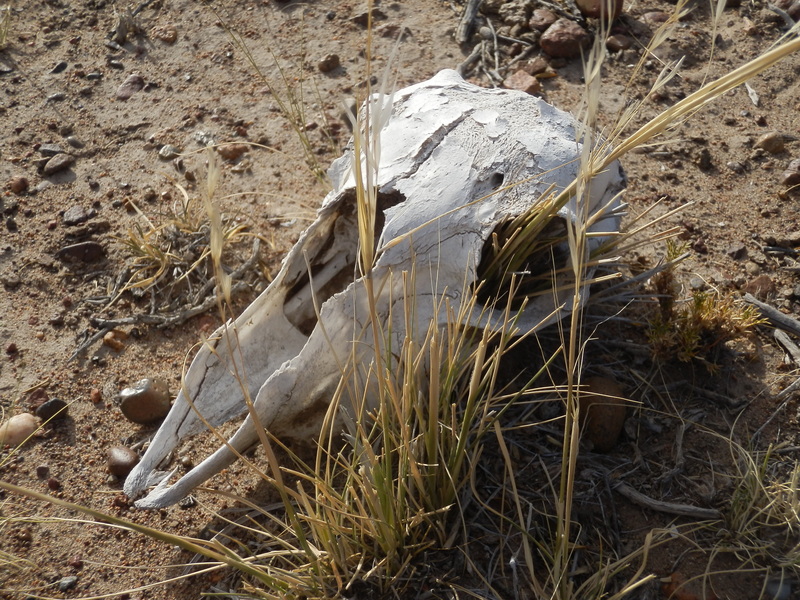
column 203, row 85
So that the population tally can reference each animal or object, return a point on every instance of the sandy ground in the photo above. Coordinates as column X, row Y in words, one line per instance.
column 60, row 82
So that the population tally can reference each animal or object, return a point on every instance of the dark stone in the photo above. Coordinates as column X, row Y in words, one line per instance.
column 52, row 410
column 50, row 150
column 121, row 461
column 86, row 252
column 75, row 215
column 60, row 162
column 67, row 583
column 146, row 402
column 737, row 251
column 329, row 63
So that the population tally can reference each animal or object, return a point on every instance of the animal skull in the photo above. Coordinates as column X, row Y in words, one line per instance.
column 446, row 147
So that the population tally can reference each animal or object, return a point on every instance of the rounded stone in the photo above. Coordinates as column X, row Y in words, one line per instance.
column 790, row 178
column 329, row 63
column 121, row 461
column 542, row 18
column 602, row 412
column 18, row 185
column 232, row 151
column 17, row 429
column 146, row 402
column 60, row 162
column 168, row 152
column 564, row 39
column 597, row 8
column 772, row 142
column 130, row 86
column 53, row 409
column 618, row 42
column 67, row 583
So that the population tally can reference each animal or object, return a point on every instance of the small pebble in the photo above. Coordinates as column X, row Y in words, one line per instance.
column 168, row 152
column 96, row 396
column 113, row 341
column 75, row 562
column 130, row 86
column 59, row 68
column 597, row 8
column 17, row 429
column 736, row 251
column 762, row 287
column 232, row 151
column 329, row 63
column 790, row 178
column 57, row 97
column 115, row 64
column 166, row 33
column 146, row 402
column 12, row 347
column 75, row 215
column 523, row 82
column 54, row 484
column 95, row 76
column 86, row 252
column 771, row 142
column 42, row 471
column 697, row 283
column 50, row 150
column 75, row 142
column 18, row 185
column 541, row 19
column 59, row 162
column 67, row 583
column 52, row 410
column 564, row 39
column 656, row 17
column 616, row 43
column 735, row 166
column 121, row 461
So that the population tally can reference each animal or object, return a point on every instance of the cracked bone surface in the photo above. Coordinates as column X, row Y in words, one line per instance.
column 446, row 148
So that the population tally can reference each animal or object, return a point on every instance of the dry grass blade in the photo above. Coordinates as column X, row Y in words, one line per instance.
column 5, row 25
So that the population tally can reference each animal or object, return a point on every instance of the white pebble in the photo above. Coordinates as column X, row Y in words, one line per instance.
column 17, row 429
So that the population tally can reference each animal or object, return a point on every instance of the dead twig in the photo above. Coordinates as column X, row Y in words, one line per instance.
column 201, row 302
column 776, row 317
column 673, row 508
column 791, row 348
column 464, row 29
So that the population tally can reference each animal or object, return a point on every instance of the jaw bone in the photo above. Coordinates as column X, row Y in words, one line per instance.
column 446, row 148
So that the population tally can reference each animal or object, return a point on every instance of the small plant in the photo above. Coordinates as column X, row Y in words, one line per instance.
column 172, row 261
column 698, row 327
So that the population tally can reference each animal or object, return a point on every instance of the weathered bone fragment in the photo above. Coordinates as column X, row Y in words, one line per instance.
column 446, row 148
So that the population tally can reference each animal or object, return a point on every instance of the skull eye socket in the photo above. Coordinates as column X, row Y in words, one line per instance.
column 538, row 271
column 497, row 180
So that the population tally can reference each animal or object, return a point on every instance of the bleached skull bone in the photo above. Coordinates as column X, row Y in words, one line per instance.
column 445, row 148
